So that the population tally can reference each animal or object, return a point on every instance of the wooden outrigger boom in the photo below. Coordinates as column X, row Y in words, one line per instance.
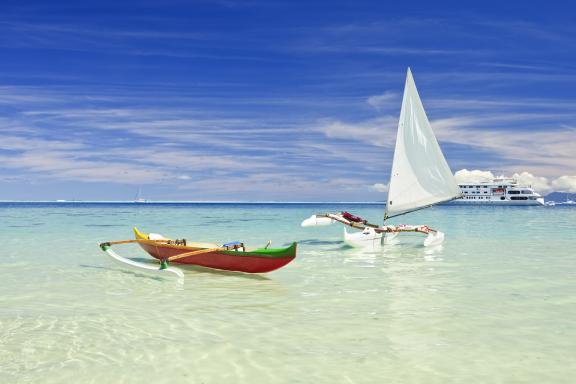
column 372, row 234
column 377, row 228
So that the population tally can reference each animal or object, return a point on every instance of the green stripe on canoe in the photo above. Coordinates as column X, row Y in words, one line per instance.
column 274, row 253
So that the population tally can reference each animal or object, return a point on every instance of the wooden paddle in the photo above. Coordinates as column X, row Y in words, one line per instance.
column 134, row 241
column 194, row 253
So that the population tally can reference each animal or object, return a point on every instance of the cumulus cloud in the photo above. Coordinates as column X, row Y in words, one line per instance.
column 379, row 187
column 474, row 176
column 565, row 184
column 540, row 184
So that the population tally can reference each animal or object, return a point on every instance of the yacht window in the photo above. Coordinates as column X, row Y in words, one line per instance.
column 519, row 198
column 513, row 192
column 526, row 192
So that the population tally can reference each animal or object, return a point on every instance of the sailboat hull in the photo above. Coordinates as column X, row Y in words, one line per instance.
column 365, row 239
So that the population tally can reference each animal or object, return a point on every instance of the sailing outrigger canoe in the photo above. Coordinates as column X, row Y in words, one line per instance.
column 230, row 257
column 420, row 178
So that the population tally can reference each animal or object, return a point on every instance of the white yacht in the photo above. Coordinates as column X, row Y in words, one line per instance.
column 499, row 192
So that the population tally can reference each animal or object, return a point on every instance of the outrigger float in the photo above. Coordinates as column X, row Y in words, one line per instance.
column 229, row 257
column 420, row 178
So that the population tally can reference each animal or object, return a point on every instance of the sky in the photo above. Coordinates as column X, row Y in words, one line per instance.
column 276, row 100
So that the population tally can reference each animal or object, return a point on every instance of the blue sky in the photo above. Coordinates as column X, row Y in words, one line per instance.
column 265, row 100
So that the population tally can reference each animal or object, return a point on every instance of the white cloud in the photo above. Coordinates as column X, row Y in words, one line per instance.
column 380, row 101
column 380, row 132
column 14, row 143
column 66, row 165
column 565, row 184
column 379, row 187
column 160, row 143
column 261, row 186
column 475, row 176
column 550, row 151
column 540, row 184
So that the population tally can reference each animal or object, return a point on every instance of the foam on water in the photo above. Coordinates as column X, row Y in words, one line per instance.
column 495, row 303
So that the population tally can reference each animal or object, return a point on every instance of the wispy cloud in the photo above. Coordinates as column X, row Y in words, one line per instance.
column 73, row 166
column 242, row 148
column 377, row 131
column 512, row 139
column 384, row 100
column 552, row 149
column 152, row 96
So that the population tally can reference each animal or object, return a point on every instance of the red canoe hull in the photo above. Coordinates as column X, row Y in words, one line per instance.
column 249, row 262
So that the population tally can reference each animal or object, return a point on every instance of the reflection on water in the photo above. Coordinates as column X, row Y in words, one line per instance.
column 320, row 242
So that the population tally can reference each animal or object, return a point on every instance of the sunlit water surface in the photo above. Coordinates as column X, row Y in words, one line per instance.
column 495, row 304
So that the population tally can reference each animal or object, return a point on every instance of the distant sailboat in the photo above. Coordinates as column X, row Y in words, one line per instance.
column 139, row 198
column 420, row 178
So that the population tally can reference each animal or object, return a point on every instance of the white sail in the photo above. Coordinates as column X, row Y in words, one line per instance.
column 420, row 174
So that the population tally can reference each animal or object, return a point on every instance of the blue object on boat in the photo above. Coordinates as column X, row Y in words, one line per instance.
column 231, row 244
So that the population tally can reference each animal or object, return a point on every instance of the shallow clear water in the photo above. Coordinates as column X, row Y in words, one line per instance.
column 495, row 304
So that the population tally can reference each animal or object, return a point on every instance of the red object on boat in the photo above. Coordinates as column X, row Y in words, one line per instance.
column 250, row 261
column 350, row 217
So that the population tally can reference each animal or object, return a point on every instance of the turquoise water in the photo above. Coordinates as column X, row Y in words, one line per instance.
column 495, row 304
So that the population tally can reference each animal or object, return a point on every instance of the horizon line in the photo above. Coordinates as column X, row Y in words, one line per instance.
column 190, row 202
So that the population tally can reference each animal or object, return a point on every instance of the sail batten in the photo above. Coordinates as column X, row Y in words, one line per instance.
column 420, row 175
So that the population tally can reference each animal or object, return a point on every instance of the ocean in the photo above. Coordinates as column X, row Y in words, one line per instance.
column 496, row 303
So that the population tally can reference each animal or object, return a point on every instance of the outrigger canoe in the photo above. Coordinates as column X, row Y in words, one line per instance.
column 230, row 257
